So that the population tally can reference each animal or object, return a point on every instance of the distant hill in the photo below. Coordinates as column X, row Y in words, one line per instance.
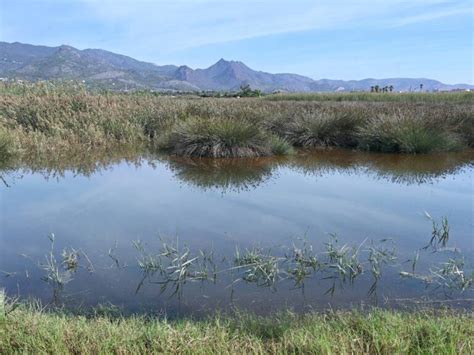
column 101, row 68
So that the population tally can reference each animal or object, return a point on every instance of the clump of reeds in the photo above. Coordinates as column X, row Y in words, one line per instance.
column 7, row 147
column 405, row 134
column 302, row 262
column 322, row 129
column 58, row 272
column 217, row 138
column 174, row 266
column 257, row 266
column 280, row 146
column 439, row 234
column 342, row 263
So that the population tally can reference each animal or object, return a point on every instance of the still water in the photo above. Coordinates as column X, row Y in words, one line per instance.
column 100, row 208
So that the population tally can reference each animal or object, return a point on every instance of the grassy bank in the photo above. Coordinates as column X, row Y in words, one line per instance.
column 27, row 330
column 48, row 119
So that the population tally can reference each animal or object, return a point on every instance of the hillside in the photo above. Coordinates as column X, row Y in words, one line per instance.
column 100, row 68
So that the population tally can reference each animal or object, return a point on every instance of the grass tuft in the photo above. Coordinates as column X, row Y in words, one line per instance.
column 322, row 129
column 280, row 146
column 406, row 134
column 217, row 138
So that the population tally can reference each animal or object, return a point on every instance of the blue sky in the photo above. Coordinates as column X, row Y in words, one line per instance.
column 336, row 39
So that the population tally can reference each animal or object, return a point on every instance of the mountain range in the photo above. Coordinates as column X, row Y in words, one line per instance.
column 101, row 68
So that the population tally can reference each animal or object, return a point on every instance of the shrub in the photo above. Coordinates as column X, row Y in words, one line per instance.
column 217, row 138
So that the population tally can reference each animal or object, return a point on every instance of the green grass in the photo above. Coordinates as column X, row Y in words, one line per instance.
column 29, row 330
column 453, row 97
column 49, row 120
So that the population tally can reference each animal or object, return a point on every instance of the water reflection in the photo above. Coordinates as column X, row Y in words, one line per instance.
column 397, row 168
column 101, row 204
column 247, row 174
column 223, row 174
column 78, row 164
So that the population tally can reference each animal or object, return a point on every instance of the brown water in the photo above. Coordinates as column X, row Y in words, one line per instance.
column 94, row 206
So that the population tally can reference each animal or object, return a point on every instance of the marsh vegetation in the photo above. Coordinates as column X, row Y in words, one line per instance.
column 47, row 118
column 108, row 171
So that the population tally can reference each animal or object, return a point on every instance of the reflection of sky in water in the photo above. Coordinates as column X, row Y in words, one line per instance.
column 128, row 203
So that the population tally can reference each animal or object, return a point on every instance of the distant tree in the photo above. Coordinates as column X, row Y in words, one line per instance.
column 421, row 87
column 372, row 88
column 390, row 88
column 377, row 88
column 246, row 91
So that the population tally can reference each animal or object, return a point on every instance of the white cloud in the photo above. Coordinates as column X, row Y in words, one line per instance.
column 179, row 24
column 432, row 15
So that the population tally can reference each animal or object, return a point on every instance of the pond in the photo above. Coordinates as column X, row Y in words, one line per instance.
column 115, row 216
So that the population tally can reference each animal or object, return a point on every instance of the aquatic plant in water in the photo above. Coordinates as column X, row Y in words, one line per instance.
column 257, row 266
column 59, row 272
column 173, row 265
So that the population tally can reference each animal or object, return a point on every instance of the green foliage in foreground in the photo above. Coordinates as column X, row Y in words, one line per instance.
column 28, row 330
